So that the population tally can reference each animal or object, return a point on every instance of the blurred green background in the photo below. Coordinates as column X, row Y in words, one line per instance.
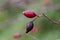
column 13, row 21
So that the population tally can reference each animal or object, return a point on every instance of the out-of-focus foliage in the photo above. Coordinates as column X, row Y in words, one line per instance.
column 12, row 21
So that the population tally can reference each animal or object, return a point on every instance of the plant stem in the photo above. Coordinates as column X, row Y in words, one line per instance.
column 34, row 19
column 49, row 18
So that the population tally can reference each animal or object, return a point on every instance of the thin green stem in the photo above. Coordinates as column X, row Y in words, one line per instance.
column 34, row 19
column 43, row 15
column 49, row 18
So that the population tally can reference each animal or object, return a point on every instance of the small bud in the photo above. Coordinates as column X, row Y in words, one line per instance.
column 17, row 35
column 29, row 27
column 34, row 30
column 58, row 22
column 29, row 13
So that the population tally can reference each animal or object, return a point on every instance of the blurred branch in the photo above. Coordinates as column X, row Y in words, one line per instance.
column 49, row 18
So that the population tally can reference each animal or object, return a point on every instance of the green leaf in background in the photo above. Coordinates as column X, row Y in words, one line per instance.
column 47, row 30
